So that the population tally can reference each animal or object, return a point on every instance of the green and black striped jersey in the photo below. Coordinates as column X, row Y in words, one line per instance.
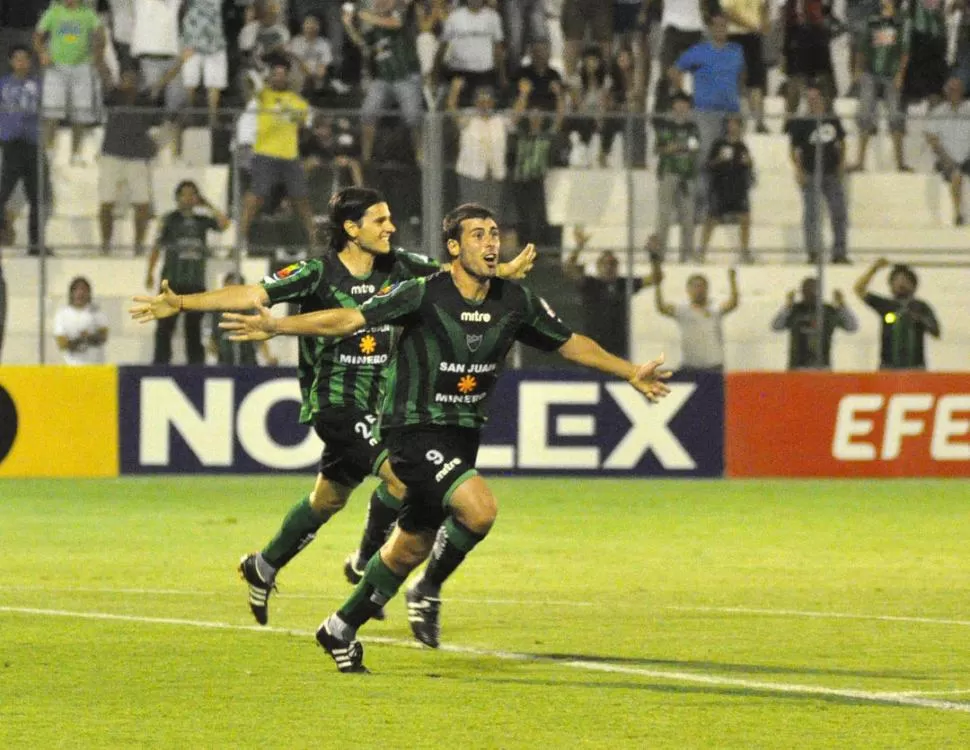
column 451, row 351
column 342, row 371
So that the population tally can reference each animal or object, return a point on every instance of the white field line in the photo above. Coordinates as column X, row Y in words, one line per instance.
column 762, row 611
column 895, row 699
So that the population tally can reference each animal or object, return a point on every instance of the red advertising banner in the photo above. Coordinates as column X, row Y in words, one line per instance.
column 853, row 425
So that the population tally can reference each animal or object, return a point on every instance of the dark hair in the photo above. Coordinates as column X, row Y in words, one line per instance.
column 680, row 96
column 184, row 184
column 349, row 204
column 76, row 281
column 909, row 273
column 18, row 48
column 599, row 77
column 451, row 225
column 276, row 60
column 233, row 277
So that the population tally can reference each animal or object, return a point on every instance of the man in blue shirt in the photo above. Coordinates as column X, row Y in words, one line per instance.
column 19, row 104
column 717, row 67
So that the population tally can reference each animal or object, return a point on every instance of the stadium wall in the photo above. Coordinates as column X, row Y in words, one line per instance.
column 106, row 421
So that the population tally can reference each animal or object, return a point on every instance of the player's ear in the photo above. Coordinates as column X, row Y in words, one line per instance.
column 351, row 229
column 454, row 248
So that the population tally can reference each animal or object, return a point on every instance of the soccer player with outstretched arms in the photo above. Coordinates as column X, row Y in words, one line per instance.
column 340, row 376
column 457, row 328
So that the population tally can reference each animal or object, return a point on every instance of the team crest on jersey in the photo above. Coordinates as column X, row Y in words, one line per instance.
column 474, row 341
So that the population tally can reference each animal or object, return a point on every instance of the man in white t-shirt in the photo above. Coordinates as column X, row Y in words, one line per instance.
column 701, row 338
column 81, row 329
column 472, row 48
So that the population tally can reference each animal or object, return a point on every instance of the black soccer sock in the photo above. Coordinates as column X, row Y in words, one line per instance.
column 298, row 529
column 378, row 585
column 381, row 515
column 453, row 542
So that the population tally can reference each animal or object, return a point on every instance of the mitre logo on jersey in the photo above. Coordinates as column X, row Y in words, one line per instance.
column 474, row 341
column 476, row 317
column 363, row 289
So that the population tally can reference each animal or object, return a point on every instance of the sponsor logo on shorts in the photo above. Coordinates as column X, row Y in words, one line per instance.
column 447, row 469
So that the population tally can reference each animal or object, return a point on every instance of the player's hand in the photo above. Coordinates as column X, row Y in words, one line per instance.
column 258, row 327
column 164, row 305
column 649, row 379
column 519, row 267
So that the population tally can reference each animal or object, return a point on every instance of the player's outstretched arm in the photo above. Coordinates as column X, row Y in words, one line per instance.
column 262, row 325
column 167, row 303
column 647, row 378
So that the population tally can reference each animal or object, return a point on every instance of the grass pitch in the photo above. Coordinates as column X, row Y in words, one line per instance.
column 620, row 614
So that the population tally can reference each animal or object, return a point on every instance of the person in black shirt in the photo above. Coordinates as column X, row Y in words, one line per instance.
column 905, row 319
column 820, row 129
column 731, row 170
column 801, row 319
column 605, row 305
column 547, row 91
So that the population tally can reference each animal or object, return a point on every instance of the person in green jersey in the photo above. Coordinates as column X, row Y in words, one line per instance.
column 678, row 146
column 340, row 377
column 905, row 319
column 182, row 237
column 458, row 327
column 881, row 71
column 386, row 35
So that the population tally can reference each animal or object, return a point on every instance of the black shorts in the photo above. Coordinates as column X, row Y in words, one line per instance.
column 351, row 449
column 756, row 76
column 927, row 70
column 432, row 462
column 725, row 204
column 807, row 53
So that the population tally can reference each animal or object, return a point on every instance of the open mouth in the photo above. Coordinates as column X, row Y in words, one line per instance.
column 491, row 259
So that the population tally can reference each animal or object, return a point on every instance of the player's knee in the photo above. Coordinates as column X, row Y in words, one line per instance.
column 329, row 498
column 478, row 516
column 403, row 552
column 395, row 487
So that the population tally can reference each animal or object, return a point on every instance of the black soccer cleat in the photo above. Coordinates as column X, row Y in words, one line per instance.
column 348, row 655
column 259, row 589
column 354, row 574
column 424, row 616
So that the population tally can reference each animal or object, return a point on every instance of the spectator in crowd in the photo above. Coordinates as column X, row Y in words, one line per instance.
column 482, row 144
column 579, row 17
column 683, row 27
column 80, row 328
column 524, row 20
column 748, row 22
column 631, row 27
column 155, row 44
column 678, row 148
column 590, row 98
column 236, row 353
column 881, row 63
column 699, row 320
column 857, row 15
column 625, row 96
column 122, row 30
column 430, row 16
column 263, row 38
column 69, row 42
column 905, row 319
column 19, row 134
column 806, row 350
column 471, row 47
column 948, row 133
column 329, row 12
column 606, row 309
column 204, row 35
column 332, row 143
column 717, row 66
column 18, row 22
column 387, row 36
column 807, row 53
column 183, row 238
column 534, row 136
column 546, row 92
column 127, row 150
column 732, row 174
column 927, row 71
column 313, row 58
column 276, row 153
column 961, row 64
column 821, row 131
